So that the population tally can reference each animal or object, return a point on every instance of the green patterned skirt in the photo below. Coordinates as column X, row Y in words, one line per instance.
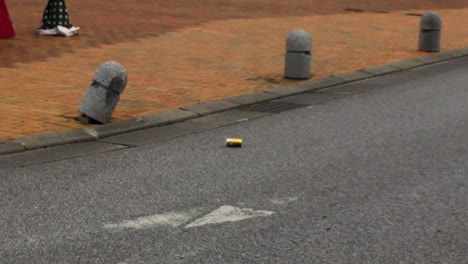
column 55, row 14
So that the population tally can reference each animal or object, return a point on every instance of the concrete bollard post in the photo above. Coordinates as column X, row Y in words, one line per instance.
column 298, row 55
column 430, row 32
column 103, row 93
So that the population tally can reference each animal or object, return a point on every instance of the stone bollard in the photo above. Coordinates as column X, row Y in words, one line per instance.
column 298, row 55
column 429, row 34
column 103, row 93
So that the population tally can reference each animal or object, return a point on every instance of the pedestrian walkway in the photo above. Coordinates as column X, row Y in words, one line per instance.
column 188, row 54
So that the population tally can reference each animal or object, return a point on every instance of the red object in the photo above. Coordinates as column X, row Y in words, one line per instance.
column 6, row 28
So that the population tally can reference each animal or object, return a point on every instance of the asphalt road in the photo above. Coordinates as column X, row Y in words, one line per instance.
column 374, row 172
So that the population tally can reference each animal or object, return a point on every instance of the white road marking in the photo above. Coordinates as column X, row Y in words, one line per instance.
column 283, row 200
column 228, row 213
column 173, row 219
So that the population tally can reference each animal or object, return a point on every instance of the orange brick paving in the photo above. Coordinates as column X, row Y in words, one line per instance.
column 179, row 54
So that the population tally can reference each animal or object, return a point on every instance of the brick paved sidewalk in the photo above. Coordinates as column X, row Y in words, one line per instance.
column 184, row 60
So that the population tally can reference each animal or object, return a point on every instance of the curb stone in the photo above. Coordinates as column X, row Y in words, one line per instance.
column 354, row 76
column 139, row 123
column 211, row 107
column 252, row 98
column 11, row 147
column 381, row 70
column 55, row 139
column 408, row 64
column 230, row 103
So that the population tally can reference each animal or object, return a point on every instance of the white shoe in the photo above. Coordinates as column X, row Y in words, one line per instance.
column 67, row 32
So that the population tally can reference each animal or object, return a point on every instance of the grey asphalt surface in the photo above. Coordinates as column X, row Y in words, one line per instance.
column 373, row 172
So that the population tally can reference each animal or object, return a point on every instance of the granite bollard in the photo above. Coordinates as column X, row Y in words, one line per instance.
column 430, row 32
column 103, row 93
column 298, row 55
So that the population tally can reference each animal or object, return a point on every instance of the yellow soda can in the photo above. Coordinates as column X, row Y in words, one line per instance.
column 234, row 142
